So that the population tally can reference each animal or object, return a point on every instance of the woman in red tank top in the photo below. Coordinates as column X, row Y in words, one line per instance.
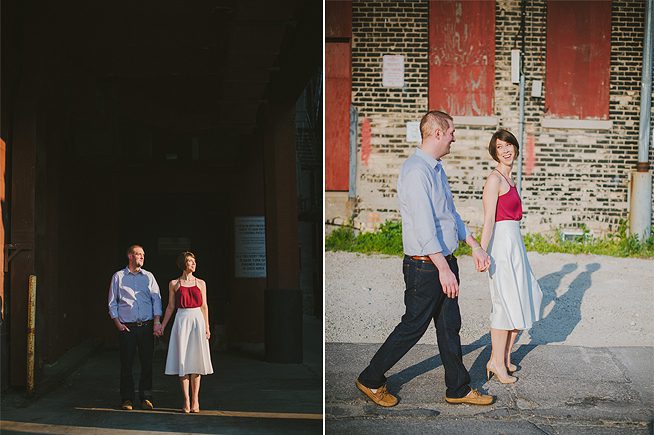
column 515, row 294
column 188, row 356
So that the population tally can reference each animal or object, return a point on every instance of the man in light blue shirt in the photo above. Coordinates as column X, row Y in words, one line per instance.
column 135, row 308
column 431, row 231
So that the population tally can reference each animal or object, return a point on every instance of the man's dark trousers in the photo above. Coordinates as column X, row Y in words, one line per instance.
column 425, row 301
column 141, row 340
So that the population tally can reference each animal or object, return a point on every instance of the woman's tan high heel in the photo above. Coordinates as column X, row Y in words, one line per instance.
column 511, row 368
column 490, row 370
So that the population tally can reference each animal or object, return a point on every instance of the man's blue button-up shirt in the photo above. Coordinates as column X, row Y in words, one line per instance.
column 430, row 222
column 134, row 297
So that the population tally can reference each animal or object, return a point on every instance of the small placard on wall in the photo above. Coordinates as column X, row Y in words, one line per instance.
column 393, row 71
column 413, row 132
column 249, row 247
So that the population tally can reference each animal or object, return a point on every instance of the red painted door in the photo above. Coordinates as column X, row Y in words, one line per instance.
column 462, row 56
column 338, row 85
column 578, row 59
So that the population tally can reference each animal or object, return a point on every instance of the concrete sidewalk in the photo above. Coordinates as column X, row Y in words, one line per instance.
column 586, row 367
column 560, row 389
column 245, row 395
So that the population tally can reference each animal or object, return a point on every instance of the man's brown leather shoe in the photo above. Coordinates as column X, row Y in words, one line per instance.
column 127, row 405
column 474, row 397
column 382, row 397
column 147, row 404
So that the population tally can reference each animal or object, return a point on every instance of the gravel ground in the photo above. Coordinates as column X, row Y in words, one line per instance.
column 589, row 300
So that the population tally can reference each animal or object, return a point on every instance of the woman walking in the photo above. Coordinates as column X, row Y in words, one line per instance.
column 515, row 293
column 188, row 348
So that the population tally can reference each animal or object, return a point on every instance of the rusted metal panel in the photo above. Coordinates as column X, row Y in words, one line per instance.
column 578, row 59
column 338, row 19
column 462, row 57
column 338, row 85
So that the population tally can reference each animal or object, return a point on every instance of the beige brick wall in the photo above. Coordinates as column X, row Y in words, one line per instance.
column 579, row 176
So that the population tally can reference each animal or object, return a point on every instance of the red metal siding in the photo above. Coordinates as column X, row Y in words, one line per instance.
column 578, row 59
column 462, row 57
column 338, row 85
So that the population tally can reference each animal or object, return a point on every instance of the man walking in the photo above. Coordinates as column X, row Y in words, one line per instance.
column 431, row 230
column 135, row 308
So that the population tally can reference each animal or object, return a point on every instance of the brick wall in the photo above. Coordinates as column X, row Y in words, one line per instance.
column 379, row 28
column 570, row 176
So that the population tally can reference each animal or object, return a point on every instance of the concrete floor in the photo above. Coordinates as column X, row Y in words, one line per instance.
column 244, row 395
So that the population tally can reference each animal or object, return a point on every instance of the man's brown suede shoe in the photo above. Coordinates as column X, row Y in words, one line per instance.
column 382, row 397
column 147, row 404
column 127, row 405
column 474, row 397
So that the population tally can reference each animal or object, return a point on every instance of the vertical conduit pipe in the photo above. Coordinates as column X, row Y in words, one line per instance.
column 31, row 333
column 521, row 125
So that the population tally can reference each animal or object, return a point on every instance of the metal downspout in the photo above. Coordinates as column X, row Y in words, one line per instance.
column 521, row 123
column 640, row 216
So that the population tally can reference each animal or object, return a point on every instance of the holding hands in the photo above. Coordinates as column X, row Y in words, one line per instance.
column 158, row 330
column 482, row 260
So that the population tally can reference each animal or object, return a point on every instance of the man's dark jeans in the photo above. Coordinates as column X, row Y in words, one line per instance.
column 139, row 339
column 424, row 300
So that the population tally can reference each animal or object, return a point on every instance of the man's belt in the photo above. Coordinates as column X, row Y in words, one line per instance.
column 426, row 258
column 138, row 324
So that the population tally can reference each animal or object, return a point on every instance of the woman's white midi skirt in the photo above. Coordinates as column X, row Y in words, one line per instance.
column 515, row 294
column 188, row 348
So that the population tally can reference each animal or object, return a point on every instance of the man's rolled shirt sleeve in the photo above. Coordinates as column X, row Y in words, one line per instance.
column 417, row 187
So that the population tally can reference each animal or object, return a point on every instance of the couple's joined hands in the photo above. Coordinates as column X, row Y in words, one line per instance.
column 482, row 260
column 157, row 330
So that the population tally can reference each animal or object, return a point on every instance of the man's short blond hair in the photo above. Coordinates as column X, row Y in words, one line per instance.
column 131, row 249
column 432, row 120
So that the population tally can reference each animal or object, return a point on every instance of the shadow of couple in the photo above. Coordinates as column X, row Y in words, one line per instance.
column 555, row 327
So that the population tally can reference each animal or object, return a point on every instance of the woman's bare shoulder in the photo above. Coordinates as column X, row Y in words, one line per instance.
column 493, row 179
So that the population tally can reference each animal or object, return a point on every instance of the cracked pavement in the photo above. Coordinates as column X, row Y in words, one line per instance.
column 587, row 367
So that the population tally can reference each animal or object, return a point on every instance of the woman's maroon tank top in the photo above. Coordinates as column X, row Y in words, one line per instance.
column 188, row 297
column 509, row 205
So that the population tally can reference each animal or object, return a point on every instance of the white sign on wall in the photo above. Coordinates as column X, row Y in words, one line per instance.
column 393, row 71
column 413, row 132
column 250, row 247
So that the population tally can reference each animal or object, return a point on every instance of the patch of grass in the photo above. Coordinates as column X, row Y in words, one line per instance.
column 388, row 240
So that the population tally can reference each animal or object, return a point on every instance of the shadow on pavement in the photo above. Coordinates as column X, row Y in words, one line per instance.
column 559, row 323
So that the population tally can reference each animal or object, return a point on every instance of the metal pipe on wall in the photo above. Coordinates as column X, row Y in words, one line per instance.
column 354, row 134
column 31, row 333
column 521, row 123
column 640, row 213
column 521, row 132
column 646, row 87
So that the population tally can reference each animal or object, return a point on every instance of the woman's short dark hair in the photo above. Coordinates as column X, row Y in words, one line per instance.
column 181, row 259
column 505, row 136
